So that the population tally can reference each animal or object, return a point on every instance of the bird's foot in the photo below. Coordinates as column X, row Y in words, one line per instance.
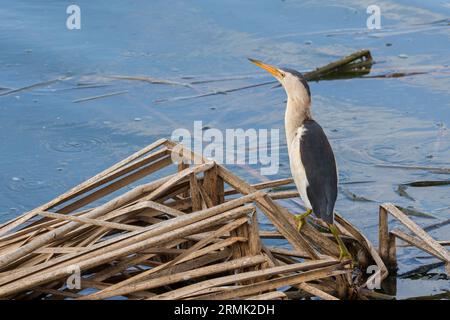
column 301, row 219
column 344, row 254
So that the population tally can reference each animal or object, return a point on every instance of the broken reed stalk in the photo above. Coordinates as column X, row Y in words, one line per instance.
column 173, row 226
column 103, row 256
column 163, row 227
column 192, row 289
column 422, row 240
column 181, row 236
column 169, row 279
column 357, row 63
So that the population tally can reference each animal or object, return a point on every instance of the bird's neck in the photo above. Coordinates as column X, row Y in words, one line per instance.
column 297, row 111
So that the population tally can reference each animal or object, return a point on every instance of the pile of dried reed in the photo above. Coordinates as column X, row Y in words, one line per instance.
column 191, row 234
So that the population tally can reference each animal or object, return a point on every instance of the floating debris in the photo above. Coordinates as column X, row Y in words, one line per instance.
column 213, row 93
column 401, row 191
column 150, row 80
column 354, row 197
column 221, row 79
column 428, row 183
column 354, row 65
column 86, row 86
column 415, row 213
column 357, row 182
column 32, row 86
column 420, row 271
column 430, row 169
column 396, row 75
column 106, row 95
column 439, row 296
column 437, row 225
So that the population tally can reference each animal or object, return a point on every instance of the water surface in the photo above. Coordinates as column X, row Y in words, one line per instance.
column 49, row 143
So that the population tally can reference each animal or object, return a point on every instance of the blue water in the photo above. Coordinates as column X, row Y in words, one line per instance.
column 49, row 143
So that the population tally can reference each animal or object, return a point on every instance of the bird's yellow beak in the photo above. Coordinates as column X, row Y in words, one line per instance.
column 273, row 70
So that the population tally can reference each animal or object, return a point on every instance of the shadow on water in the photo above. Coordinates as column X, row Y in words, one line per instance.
column 74, row 102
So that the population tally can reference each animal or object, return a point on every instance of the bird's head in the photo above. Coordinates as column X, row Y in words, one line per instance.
column 293, row 82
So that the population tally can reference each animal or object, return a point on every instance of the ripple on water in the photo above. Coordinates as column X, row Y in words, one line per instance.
column 416, row 148
column 73, row 138
column 387, row 153
column 19, row 184
column 75, row 144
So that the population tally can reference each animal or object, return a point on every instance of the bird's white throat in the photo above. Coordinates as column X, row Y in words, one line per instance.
column 297, row 111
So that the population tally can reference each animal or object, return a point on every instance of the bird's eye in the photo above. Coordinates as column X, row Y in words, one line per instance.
column 283, row 74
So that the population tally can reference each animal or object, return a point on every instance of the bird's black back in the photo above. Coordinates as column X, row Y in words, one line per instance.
column 320, row 167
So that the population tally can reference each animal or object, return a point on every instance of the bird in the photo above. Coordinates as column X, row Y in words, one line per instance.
column 311, row 157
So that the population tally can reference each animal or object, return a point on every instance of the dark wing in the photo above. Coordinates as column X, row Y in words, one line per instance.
column 320, row 167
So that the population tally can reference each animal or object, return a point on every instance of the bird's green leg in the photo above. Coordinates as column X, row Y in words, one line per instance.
column 301, row 219
column 343, row 251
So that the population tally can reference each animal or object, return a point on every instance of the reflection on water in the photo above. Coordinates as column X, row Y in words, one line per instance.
column 50, row 143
